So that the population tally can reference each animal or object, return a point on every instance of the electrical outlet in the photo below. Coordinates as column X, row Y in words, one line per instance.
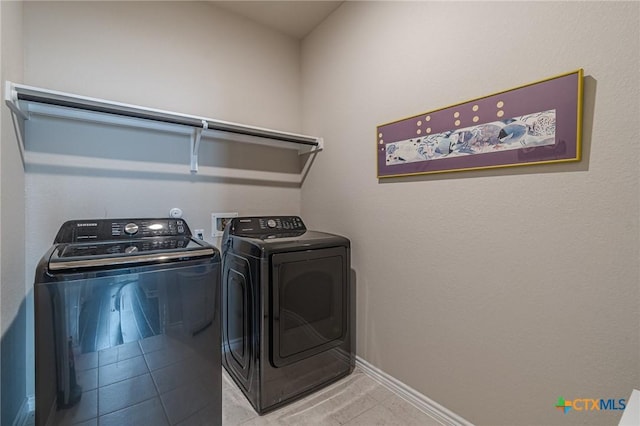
column 219, row 221
column 199, row 233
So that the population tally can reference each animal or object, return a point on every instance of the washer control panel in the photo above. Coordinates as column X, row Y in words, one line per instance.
column 274, row 225
column 148, row 228
column 76, row 231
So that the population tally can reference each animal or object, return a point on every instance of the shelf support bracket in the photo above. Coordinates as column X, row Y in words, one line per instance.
column 11, row 99
column 195, row 145
column 314, row 150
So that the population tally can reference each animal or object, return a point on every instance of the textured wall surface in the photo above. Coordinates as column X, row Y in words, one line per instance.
column 13, row 312
column 492, row 292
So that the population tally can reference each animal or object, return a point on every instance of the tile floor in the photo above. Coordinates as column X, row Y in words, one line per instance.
column 356, row 400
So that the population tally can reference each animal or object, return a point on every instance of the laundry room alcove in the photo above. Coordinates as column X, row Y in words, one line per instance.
column 113, row 138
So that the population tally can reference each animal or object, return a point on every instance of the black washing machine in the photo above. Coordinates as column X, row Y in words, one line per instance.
column 288, row 321
column 127, row 325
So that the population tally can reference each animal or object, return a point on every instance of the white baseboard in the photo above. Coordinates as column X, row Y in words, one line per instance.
column 423, row 403
column 631, row 414
column 28, row 405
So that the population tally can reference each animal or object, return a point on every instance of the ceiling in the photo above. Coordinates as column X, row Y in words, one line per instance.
column 295, row 18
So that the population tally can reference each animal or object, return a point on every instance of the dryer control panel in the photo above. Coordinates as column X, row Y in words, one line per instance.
column 273, row 225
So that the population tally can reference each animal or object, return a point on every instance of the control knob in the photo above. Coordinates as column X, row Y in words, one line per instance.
column 271, row 223
column 131, row 228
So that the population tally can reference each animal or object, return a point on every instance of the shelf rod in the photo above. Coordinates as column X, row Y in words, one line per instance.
column 44, row 96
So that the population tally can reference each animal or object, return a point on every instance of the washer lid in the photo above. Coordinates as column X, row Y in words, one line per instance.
column 116, row 253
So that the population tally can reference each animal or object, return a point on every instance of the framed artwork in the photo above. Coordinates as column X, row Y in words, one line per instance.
column 537, row 123
column 219, row 222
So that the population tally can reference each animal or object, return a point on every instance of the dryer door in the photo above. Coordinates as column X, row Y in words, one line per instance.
column 310, row 292
column 237, row 317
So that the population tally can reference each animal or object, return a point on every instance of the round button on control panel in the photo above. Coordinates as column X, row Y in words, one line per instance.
column 131, row 228
column 271, row 223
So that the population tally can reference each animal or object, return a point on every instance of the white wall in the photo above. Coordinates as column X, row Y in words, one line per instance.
column 491, row 292
column 190, row 57
column 13, row 317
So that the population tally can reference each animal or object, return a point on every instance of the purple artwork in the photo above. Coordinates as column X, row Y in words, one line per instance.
column 536, row 123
